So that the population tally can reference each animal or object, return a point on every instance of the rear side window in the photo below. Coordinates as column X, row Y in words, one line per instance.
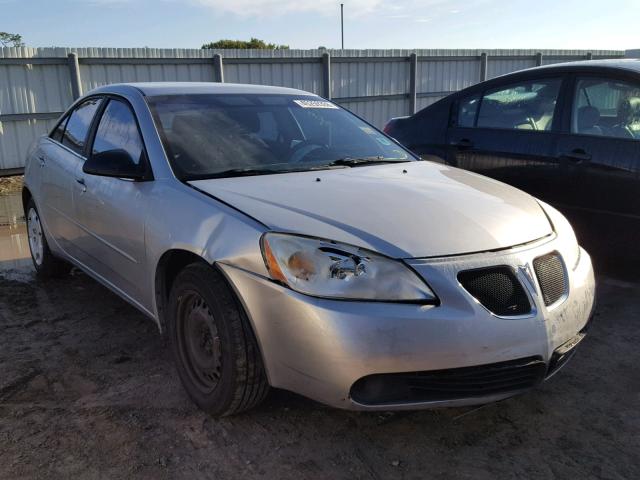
column 59, row 131
column 606, row 107
column 527, row 105
column 118, row 130
column 77, row 128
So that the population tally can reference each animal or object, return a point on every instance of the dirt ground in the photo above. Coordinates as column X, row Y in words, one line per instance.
column 87, row 390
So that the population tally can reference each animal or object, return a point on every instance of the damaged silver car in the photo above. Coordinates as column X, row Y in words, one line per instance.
column 279, row 240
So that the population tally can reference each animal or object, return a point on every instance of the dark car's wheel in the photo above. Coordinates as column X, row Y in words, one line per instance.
column 213, row 345
column 45, row 263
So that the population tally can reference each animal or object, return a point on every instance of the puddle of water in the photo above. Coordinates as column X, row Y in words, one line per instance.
column 11, row 210
column 14, row 245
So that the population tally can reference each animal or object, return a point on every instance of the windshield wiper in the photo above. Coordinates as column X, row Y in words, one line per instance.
column 239, row 172
column 250, row 171
column 359, row 161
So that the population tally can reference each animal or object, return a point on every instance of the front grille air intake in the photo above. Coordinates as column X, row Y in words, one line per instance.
column 451, row 384
column 497, row 289
column 551, row 276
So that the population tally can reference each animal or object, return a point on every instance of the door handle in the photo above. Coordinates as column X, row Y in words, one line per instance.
column 577, row 156
column 80, row 181
column 42, row 160
column 463, row 143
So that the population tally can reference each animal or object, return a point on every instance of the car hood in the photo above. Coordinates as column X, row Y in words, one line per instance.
column 406, row 210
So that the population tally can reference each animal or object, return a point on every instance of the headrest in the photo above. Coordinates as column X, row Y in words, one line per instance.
column 629, row 109
column 588, row 117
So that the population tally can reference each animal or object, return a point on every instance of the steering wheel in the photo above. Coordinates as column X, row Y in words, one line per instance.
column 304, row 148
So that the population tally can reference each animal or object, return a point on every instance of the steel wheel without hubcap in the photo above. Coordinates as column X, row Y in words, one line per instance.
column 213, row 345
column 34, row 230
column 199, row 342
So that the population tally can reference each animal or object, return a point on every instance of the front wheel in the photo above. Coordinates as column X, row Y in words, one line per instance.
column 213, row 345
column 45, row 263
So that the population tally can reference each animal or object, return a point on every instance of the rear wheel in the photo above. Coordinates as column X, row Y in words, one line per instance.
column 45, row 263
column 213, row 345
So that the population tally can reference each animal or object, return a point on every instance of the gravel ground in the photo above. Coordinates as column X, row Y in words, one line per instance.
column 87, row 389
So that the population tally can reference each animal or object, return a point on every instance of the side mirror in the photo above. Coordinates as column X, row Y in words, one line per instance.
column 114, row 163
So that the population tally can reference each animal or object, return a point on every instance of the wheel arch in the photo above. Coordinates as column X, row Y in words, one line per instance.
column 167, row 269
column 26, row 196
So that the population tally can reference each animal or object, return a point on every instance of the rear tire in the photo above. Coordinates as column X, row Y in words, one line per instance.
column 45, row 263
column 213, row 345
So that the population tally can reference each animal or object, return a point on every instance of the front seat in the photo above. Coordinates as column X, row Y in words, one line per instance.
column 588, row 119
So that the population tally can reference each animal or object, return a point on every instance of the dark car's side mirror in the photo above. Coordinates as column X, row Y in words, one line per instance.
column 114, row 163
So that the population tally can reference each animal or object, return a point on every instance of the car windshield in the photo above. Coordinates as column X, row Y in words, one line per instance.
column 208, row 136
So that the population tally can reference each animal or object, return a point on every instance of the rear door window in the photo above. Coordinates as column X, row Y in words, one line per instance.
column 59, row 130
column 528, row 105
column 77, row 127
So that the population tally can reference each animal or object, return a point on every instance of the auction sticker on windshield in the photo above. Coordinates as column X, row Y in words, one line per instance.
column 315, row 104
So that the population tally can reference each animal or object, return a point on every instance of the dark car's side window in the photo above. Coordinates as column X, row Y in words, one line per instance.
column 118, row 130
column 606, row 107
column 527, row 105
column 77, row 127
column 467, row 111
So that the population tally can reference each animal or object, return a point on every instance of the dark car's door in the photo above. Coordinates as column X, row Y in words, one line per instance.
column 508, row 132
column 601, row 149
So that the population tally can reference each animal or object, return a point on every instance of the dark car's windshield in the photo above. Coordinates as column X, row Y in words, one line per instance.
column 230, row 134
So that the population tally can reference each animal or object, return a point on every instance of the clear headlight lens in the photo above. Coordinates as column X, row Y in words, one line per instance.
column 569, row 247
column 325, row 268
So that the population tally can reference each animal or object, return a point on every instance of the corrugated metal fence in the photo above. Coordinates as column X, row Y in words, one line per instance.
column 37, row 84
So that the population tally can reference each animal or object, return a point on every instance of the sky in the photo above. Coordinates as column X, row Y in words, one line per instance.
column 536, row 24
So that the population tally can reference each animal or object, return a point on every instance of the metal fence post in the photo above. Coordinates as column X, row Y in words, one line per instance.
column 413, row 82
column 538, row 59
column 326, row 75
column 483, row 66
column 74, row 73
column 218, row 68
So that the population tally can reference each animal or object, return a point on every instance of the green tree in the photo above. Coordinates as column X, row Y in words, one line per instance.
column 10, row 40
column 244, row 44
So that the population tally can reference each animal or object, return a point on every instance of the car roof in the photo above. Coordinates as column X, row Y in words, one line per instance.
column 194, row 88
column 612, row 63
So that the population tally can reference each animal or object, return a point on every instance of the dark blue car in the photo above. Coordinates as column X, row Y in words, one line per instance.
column 568, row 134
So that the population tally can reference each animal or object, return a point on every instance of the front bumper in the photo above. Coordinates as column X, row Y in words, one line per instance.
column 320, row 348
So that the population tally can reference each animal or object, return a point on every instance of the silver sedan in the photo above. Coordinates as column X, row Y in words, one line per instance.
column 278, row 239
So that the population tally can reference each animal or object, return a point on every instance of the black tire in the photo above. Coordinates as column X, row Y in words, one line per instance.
column 46, row 264
column 213, row 345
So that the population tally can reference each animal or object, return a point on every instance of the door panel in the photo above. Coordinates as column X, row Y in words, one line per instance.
column 111, row 212
column 58, row 174
column 607, row 183
column 522, row 159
